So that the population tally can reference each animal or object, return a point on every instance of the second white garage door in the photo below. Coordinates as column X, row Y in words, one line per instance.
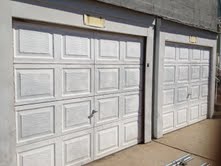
column 185, row 85
column 77, row 94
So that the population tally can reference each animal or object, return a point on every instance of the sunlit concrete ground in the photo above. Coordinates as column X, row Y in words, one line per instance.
column 201, row 140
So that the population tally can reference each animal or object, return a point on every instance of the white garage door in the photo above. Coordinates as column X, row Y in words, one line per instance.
column 77, row 94
column 185, row 85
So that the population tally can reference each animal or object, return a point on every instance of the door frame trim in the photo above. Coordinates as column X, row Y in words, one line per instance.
column 47, row 15
column 170, row 35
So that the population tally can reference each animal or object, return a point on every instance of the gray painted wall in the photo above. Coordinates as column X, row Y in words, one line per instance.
column 199, row 13
column 219, row 8
column 7, row 116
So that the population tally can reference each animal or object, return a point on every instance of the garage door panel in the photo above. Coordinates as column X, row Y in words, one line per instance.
column 183, row 54
column 167, row 109
column 132, row 133
column 195, row 73
column 182, row 117
column 107, row 79
column 33, row 42
column 77, row 150
column 108, row 108
column 107, row 140
column 204, row 109
column 74, row 46
column 78, row 94
column 194, row 112
column 168, row 96
column 204, row 91
column 76, row 115
column 182, row 73
column 35, row 123
column 185, row 96
column 132, row 103
column 132, row 77
column 195, row 92
column 77, row 46
column 182, row 94
column 169, row 74
column 205, row 55
column 112, row 49
column 170, row 53
column 109, row 48
column 78, row 81
column 134, row 50
column 38, row 157
column 205, row 72
column 196, row 55
column 34, row 83
column 168, row 121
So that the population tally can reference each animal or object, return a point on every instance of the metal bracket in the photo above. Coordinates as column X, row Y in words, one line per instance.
column 92, row 114
column 181, row 161
column 205, row 164
column 188, row 95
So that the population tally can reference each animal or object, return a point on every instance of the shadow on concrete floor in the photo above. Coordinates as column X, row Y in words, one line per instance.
column 199, row 139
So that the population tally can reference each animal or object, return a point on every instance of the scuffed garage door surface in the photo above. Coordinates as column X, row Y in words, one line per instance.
column 185, row 85
column 77, row 94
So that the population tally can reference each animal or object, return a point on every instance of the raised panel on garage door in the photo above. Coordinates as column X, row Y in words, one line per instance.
column 37, row 157
column 33, row 43
column 185, row 85
column 76, row 46
column 77, row 148
column 118, row 92
column 108, row 107
column 80, row 98
column 34, row 123
column 77, row 81
column 34, row 83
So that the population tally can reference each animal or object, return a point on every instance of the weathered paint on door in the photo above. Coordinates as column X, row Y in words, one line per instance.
column 185, row 85
column 78, row 94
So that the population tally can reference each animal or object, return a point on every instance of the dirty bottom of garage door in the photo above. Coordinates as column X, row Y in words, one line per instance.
column 77, row 94
column 185, row 85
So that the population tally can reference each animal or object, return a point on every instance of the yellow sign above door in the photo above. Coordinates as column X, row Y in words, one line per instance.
column 193, row 39
column 94, row 21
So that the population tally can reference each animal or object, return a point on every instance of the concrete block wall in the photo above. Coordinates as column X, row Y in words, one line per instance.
column 201, row 13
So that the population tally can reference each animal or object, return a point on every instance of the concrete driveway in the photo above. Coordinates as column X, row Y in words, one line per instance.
column 201, row 140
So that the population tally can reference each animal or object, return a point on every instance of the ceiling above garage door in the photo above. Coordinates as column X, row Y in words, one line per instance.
column 78, row 94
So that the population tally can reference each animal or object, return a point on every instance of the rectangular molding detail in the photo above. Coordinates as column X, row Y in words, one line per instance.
column 132, row 78
column 38, row 157
column 108, row 79
column 132, row 132
column 31, row 84
column 77, row 81
column 75, row 115
column 185, row 85
column 107, row 140
column 33, row 42
column 109, row 49
column 132, row 104
column 108, row 109
column 168, row 121
column 76, row 46
column 78, row 93
column 35, row 123
column 77, row 150
column 134, row 50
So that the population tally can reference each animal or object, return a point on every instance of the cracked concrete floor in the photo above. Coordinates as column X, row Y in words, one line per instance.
column 199, row 139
